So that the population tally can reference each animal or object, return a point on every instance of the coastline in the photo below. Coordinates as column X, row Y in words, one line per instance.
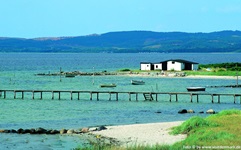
column 142, row 134
column 174, row 76
column 136, row 74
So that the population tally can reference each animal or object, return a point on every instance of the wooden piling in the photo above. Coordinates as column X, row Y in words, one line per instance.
column 91, row 96
column 52, row 95
column 22, row 95
column 14, row 94
column 191, row 97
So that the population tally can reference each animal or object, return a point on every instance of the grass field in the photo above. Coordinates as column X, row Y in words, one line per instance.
column 219, row 130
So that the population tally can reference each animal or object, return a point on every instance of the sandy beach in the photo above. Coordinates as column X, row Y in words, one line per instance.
column 142, row 134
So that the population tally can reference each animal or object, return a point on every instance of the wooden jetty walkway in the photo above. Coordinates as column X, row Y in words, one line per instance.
column 148, row 96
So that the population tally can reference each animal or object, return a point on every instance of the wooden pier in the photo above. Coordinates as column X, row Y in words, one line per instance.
column 147, row 96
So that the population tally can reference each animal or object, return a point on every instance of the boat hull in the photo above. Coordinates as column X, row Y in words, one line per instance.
column 136, row 82
column 69, row 76
column 107, row 85
column 195, row 89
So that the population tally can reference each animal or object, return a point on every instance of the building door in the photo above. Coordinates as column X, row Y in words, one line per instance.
column 164, row 65
column 188, row 66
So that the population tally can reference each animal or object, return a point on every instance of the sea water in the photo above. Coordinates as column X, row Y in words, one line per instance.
column 18, row 71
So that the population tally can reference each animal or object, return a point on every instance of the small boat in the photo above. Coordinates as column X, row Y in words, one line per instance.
column 108, row 85
column 195, row 89
column 137, row 82
column 68, row 75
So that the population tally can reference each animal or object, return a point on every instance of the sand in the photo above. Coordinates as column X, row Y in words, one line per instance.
column 143, row 134
column 187, row 76
column 173, row 75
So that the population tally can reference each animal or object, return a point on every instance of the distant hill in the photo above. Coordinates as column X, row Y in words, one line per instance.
column 129, row 42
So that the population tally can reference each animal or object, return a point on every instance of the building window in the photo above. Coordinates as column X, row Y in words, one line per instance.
column 173, row 62
column 147, row 65
column 156, row 66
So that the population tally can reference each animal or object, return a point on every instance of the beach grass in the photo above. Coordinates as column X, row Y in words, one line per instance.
column 212, row 73
column 218, row 131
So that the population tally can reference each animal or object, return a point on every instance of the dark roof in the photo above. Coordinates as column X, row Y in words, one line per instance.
column 181, row 61
column 145, row 63
column 176, row 60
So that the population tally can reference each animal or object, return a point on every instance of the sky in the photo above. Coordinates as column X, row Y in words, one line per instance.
column 54, row 18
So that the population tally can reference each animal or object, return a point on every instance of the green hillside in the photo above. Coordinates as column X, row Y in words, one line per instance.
column 130, row 42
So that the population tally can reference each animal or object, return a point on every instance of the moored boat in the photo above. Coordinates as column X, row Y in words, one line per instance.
column 68, row 75
column 137, row 82
column 108, row 85
column 195, row 89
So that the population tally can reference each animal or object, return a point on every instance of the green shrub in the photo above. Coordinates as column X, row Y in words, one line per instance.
column 125, row 69
column 191, row 124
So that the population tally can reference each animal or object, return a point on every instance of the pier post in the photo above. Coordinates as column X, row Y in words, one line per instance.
column 41, row 95
column 59, row 95
column 5, row 94
column 218, row 98
column 212, row 98
column 97, row 96
column 109, row 96
column 116, row 96
column 14, row 94
column 32, row 94
column 136, row 96
column 71, row 95
column 78, row 95
column 22, row 95
column 156, row 97
column 197, row 98
column 129, row 96
column 52, row 94
column 176, row 98
column 170, row 98
column 234, row 99
column 191, row 97
column 91, row 96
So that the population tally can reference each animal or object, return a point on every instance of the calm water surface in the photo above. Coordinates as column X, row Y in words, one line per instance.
column 17, row 71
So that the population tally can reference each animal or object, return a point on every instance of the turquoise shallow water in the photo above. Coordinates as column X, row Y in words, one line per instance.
column 17, row 72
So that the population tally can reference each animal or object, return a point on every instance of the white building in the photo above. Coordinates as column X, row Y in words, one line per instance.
column 173, row 64
column 157, row 66
column 146, row 66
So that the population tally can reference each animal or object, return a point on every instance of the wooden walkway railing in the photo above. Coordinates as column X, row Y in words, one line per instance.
column 150, row 96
